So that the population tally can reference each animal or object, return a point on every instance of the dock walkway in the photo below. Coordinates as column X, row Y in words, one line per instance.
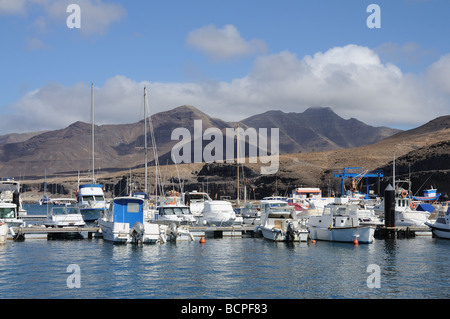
column 95, row 231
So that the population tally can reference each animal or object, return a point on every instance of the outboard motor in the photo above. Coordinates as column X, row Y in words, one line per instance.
column 137, row 233
column 290, row 232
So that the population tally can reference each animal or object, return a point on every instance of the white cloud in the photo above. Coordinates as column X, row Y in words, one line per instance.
column 96, row 16
column 12, row 7
column 439, row 74
column 350, row 79
column 223, row 44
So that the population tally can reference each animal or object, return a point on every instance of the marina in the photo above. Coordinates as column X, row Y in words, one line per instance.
column 226, row 268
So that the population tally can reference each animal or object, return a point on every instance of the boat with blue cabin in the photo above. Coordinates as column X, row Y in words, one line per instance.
column 124, row 222
column 429, row 195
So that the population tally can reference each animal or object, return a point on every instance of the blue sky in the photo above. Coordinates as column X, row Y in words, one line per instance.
column 230, row 59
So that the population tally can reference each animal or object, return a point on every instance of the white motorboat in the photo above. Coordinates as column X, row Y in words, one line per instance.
column 340, row 225
column 280, row 222
column 90, row 200
column 124, row 222
column 196, row 201
column 180, row 214
column 441, row 227
column 65, row 216
column 219, row 213
column 251, row 213
column 10, row 202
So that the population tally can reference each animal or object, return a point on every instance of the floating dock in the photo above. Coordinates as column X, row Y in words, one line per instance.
column 222, row 231
column 54, row 232
column 68, row 232
column 383, row 232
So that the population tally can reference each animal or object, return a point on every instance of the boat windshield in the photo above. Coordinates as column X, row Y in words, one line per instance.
column 65, row 210
column 95, row 198
column 176, row 211
column 198, row 197
column 7, row 212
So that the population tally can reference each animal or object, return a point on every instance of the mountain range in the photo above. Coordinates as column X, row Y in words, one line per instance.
column 119, row 146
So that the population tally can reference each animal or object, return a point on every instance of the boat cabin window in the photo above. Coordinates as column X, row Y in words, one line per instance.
column 176, row 211
column 7, row 212
column 182, row 211
column 133, row 207
column 168, row 211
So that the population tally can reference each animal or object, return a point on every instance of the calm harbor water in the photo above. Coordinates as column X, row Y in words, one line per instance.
column 249, row 268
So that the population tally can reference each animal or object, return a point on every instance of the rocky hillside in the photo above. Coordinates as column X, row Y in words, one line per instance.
column 421, row 153
column 67, row 151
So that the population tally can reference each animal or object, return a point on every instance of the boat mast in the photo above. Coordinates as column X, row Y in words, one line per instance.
column 92, row 131
column 145, row 138
column 393, row 171
column 237, row 162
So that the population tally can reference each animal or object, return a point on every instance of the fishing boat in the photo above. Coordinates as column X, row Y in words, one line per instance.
column 64, row 216
column 441, row 227
column 124, row 222
column 280, row 222
column 341, row 224
column 218, row 213
column 429, row 195
column 406, row 212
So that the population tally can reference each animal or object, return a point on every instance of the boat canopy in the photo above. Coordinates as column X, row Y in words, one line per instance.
column 128, row 210
column 425, row 207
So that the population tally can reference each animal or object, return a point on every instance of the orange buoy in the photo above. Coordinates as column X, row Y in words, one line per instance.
column 202, row 240
column 355, row 242
column 313, row 241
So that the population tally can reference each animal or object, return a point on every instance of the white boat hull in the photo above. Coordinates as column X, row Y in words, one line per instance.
column 440, row 230
column 275, row 234
column 3, row 233
column 364, row 234
column 121, row 233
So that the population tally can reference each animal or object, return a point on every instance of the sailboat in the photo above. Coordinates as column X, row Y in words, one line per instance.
column 45, row 200
column 90, row 197
column 171, row 230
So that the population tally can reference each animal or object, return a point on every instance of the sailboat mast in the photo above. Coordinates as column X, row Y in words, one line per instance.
column 393, row 171
column 237, row 161
column 92, row 130
column 145, row 138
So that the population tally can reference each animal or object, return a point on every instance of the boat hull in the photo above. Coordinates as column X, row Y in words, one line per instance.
column 440, row 231
column 91, row 214
column 120, row 233
column 274, row 234
column 364, row 234
column 3, row 233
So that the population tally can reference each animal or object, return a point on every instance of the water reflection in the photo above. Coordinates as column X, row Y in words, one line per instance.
column 226, row 268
